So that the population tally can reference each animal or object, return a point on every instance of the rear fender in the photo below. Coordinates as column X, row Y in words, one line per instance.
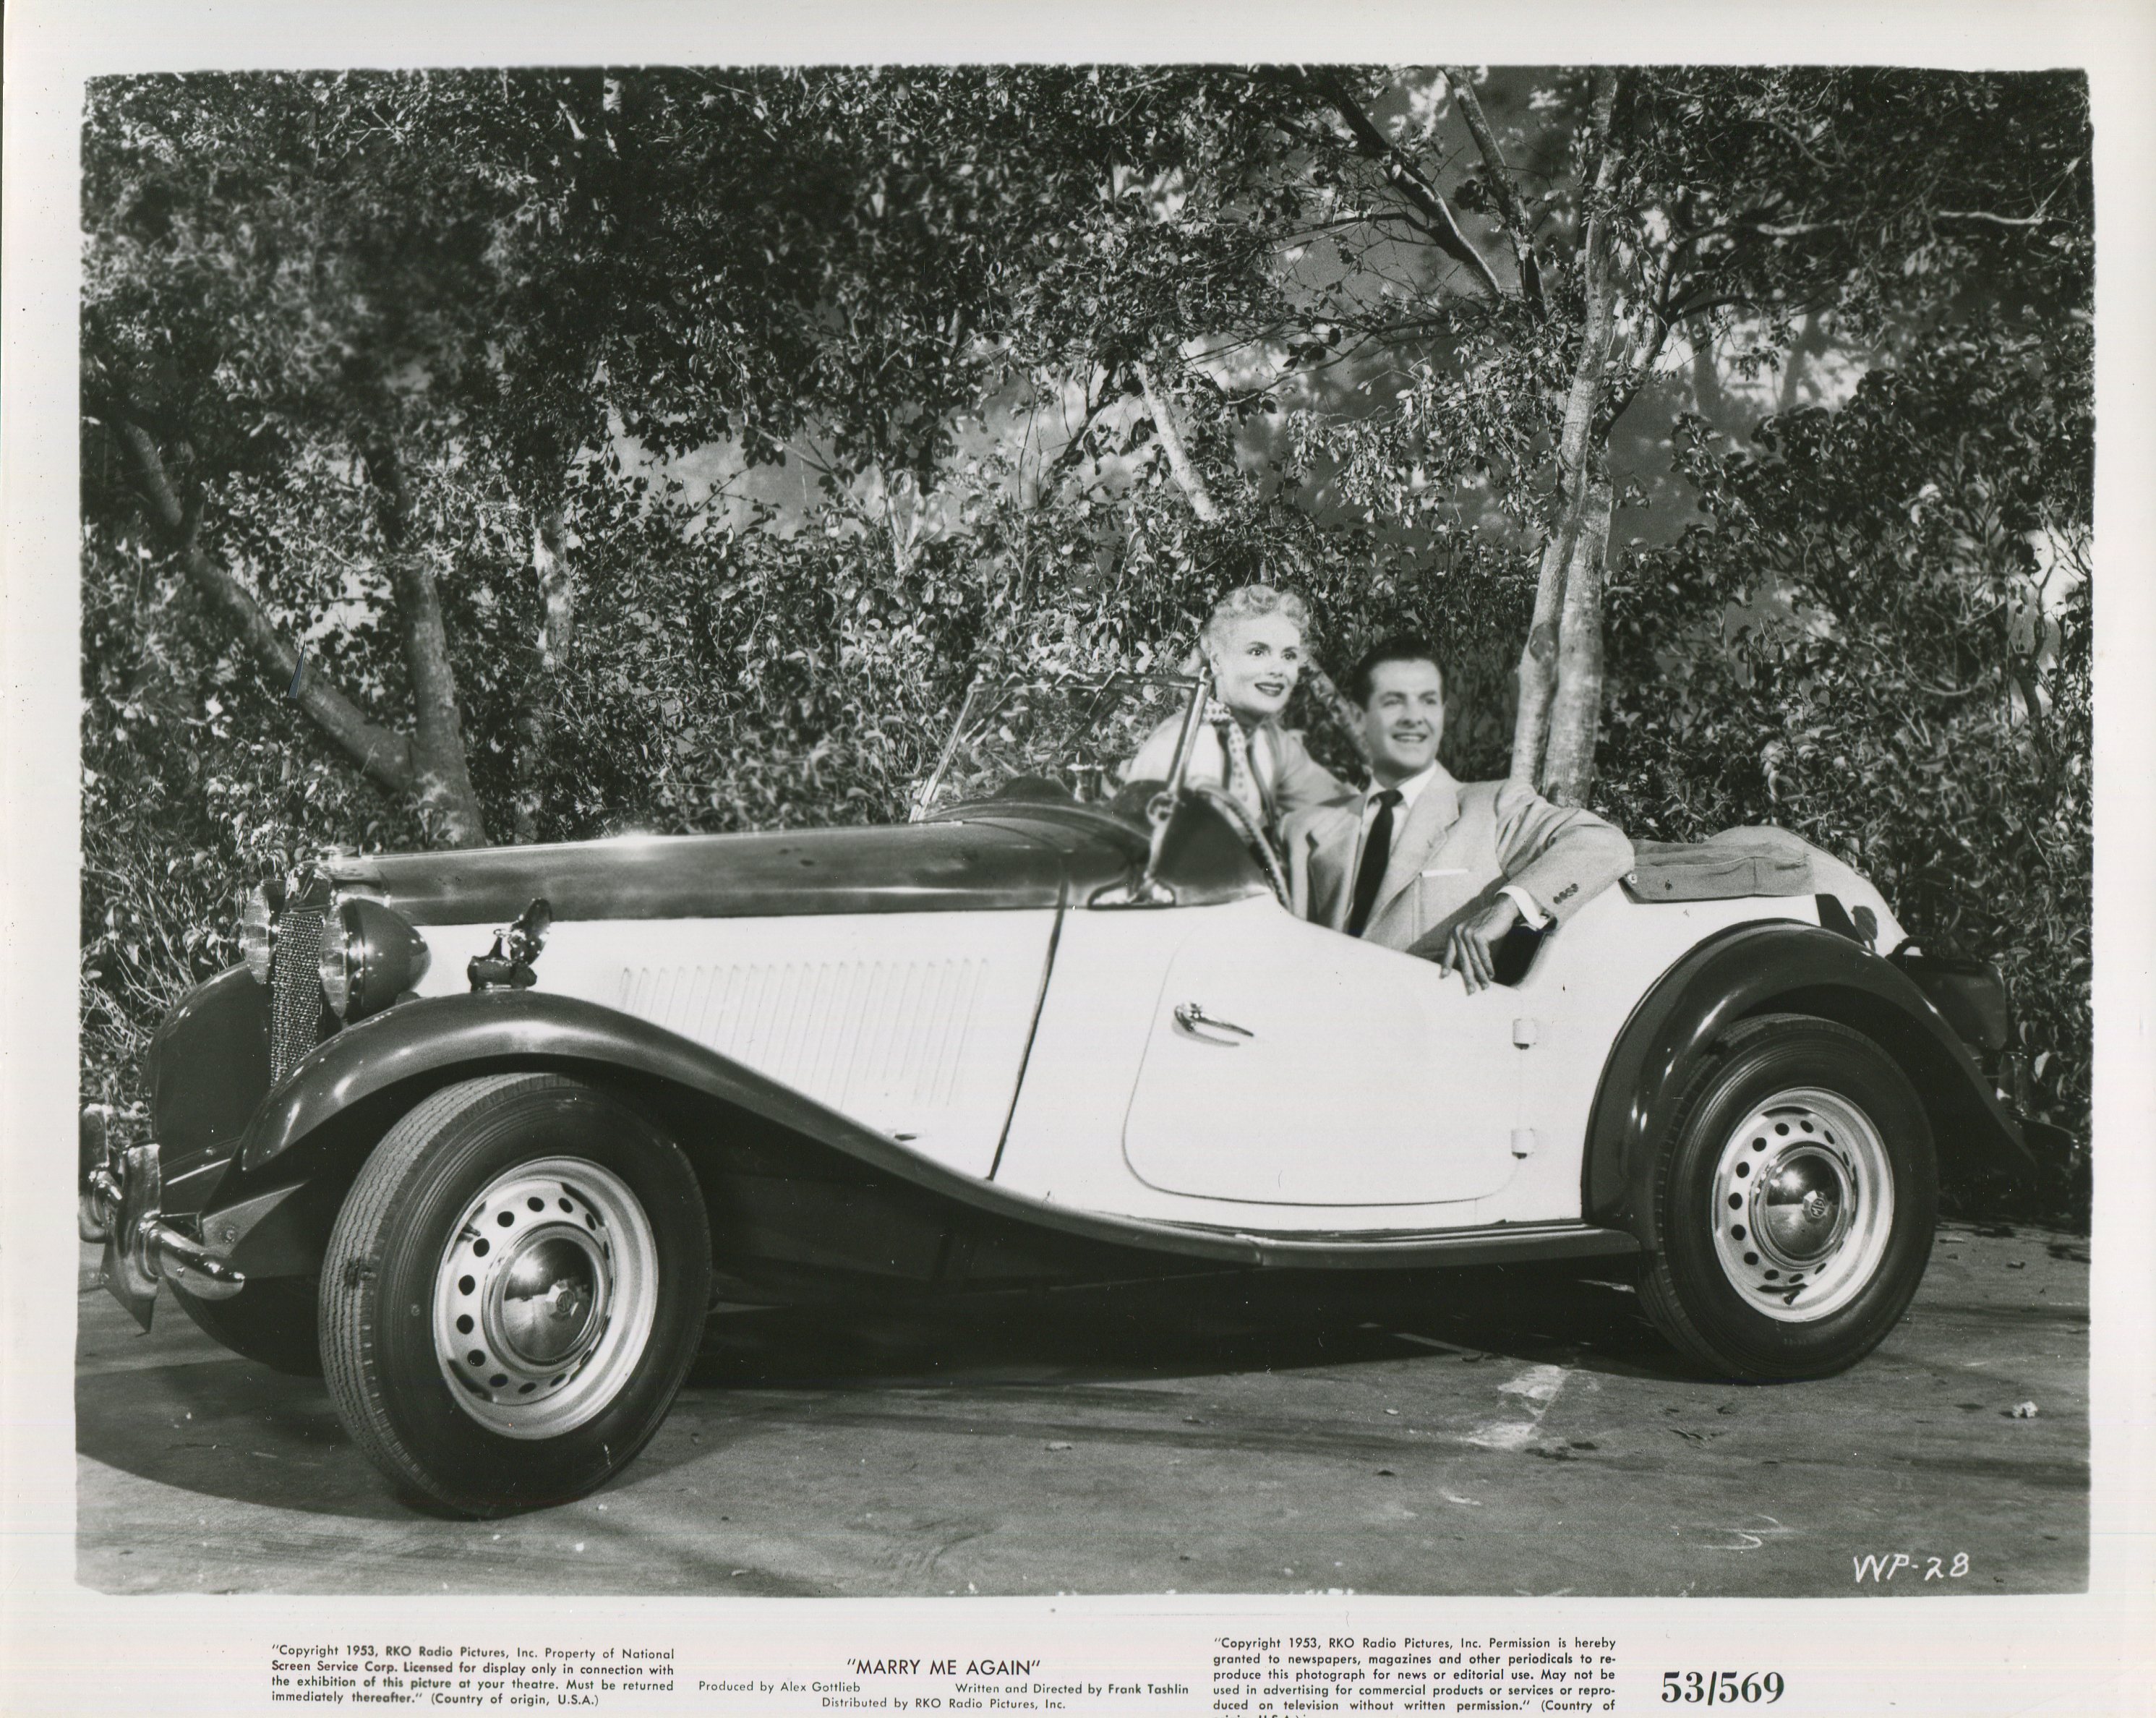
column 1774, row 967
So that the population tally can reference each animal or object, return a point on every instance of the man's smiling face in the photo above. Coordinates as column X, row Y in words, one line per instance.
column 1404, row 718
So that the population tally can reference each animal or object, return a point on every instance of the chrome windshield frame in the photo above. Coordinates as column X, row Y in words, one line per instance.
column 1145, row 889
column 980, row 704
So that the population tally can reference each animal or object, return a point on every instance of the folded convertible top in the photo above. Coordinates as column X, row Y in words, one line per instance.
column 1756, row 859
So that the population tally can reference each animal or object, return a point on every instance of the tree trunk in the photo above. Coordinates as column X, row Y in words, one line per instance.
column 1809, row 343
column 1187, row 474
column 1518, row 226
column 557, row 621
column 1537, row 674
column 1539, row 668
column 1706, row 392
column 442, row 782
column 443, row 785
column 1576, row 710
column 384, row 755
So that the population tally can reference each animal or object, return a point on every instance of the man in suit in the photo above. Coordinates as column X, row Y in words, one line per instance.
column 1442, row 869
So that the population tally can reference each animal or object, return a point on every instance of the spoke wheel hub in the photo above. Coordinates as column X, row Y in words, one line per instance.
column 1803, row 1204
column 545, row 1297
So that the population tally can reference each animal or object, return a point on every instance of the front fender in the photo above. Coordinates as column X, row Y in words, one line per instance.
column 208, row 1069
column 1771, row 967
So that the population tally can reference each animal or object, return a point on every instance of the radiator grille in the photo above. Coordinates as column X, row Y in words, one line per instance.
column 295, row 1025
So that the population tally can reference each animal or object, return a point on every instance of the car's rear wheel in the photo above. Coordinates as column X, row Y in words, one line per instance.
column 271, row 1321
column 513, row 1290
column 1795, row 1199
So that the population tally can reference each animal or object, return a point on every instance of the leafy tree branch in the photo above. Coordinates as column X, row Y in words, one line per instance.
column 383, row 754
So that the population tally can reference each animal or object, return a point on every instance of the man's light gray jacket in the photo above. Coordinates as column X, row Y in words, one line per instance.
column 1461, row 844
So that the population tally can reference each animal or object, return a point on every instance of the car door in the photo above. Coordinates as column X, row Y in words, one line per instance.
column 1289, row 1064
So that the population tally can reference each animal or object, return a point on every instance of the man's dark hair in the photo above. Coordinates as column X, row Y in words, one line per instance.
column 1401, row 647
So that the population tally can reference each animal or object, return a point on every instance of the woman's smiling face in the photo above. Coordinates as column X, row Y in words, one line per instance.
column 1256, row 661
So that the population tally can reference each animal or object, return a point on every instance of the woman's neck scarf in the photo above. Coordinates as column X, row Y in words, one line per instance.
column 1238, row 767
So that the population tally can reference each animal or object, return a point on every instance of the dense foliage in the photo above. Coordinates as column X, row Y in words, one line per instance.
column 431, row 423
column 1889, row 652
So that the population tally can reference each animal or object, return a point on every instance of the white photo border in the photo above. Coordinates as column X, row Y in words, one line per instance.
column 65, row 1649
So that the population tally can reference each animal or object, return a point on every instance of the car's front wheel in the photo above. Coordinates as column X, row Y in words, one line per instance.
column 1795, row 1199
column 513, row 1290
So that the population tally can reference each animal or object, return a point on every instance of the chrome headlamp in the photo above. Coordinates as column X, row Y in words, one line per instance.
column 370, row 957
column 258, row 929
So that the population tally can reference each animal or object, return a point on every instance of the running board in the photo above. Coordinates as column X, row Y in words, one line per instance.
column 1409, row 1249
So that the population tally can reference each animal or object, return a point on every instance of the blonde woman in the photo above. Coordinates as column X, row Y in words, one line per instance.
column 1254, row 641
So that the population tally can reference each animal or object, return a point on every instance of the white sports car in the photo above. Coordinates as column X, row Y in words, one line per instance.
column 475, row 1134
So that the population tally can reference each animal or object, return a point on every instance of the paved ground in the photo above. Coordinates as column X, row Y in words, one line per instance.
column 1497, row 1431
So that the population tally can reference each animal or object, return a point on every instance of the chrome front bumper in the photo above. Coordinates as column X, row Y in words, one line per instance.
column 122, row 1195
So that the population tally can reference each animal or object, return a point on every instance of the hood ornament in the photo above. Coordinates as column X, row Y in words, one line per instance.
column 507, row 965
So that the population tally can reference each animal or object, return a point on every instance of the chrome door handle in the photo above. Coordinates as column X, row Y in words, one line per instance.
column 1193, row 1018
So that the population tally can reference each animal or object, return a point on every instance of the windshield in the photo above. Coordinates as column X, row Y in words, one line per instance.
column 1049, row 736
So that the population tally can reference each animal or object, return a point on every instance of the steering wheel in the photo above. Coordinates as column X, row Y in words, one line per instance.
column 1253, row 835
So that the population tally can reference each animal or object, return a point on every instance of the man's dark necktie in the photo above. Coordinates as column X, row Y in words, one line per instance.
column 1377, row 854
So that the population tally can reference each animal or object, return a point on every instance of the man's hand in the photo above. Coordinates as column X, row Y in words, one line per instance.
column 1471, row 949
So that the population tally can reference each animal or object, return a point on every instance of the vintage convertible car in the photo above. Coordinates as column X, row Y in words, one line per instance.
column 481, row 1134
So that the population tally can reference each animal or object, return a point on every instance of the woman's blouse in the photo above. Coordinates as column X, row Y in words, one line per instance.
column 1267, row 767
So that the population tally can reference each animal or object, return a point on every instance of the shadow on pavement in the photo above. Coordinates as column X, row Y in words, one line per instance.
column 1191, row 1327
column 174, row 1409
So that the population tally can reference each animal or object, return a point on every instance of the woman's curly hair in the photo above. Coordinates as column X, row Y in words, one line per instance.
column 1248, row 602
